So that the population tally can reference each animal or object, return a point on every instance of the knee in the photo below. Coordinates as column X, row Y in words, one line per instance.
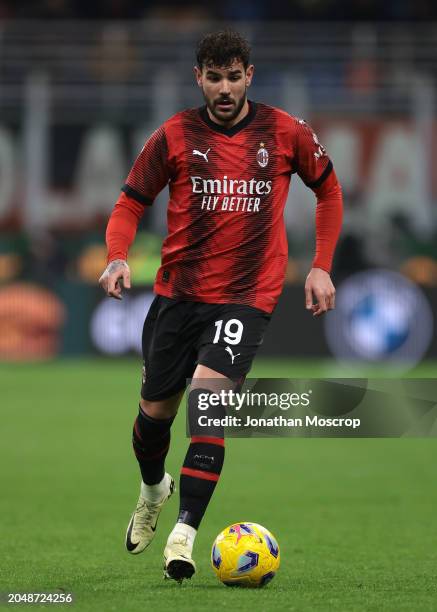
column 158, row 410
column 205, row 413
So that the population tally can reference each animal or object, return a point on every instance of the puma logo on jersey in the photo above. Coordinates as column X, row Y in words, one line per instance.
column 204, row 155
column 228, row 350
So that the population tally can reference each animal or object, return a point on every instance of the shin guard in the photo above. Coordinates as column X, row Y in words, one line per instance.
column 151, row 441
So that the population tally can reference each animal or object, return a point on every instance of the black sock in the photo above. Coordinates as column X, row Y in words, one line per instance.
column 201, row 469
column 151, row 441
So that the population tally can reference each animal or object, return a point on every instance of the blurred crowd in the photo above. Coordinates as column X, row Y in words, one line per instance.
column 371, row 86
column 323, row 10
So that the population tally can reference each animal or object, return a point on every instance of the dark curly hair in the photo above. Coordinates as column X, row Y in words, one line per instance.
column 221, row 48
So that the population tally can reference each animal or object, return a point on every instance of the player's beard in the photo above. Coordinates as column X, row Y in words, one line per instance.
column 228, row 115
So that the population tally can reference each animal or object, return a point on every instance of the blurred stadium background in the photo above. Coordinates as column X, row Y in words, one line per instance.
column 83, row 84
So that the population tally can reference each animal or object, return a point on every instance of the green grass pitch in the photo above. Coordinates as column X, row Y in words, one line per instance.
column 355, row 519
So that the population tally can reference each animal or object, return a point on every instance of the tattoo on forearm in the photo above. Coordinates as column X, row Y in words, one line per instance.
column 112, row 267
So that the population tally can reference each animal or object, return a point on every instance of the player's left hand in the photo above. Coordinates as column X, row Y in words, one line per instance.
column 319, row 288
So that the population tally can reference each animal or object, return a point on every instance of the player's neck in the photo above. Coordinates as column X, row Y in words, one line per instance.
column 229, row 124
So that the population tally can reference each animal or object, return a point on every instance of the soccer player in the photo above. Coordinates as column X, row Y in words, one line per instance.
column 228, row 166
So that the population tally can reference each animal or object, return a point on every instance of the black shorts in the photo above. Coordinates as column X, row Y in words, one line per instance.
column 178, row 335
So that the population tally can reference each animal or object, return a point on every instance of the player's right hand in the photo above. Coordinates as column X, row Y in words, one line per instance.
column 115, row 277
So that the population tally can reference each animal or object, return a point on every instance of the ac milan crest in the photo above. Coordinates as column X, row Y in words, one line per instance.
column 262, row 157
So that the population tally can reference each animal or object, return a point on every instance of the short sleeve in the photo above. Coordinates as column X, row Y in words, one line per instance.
column 311, row 161
column 150, row 172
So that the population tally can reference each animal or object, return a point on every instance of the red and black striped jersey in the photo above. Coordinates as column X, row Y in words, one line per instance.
column 226, row 239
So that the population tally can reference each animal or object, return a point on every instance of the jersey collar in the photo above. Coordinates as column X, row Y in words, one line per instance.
column 235, row 128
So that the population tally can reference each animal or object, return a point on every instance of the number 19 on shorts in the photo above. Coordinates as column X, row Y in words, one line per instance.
column 232, row 331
